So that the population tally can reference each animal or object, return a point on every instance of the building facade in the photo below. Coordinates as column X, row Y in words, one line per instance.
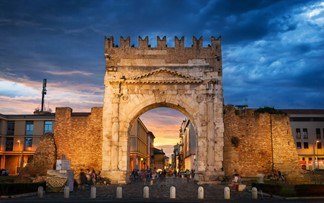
column 307, row 126
column 19, row 138
column 176, row 158
column 141, row 143
column 159, row 159
column 188, row 142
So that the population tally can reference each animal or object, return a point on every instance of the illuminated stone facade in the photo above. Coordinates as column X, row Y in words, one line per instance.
column 141, row 78
column 78, row 136
column 141, row 145
column 256, row 143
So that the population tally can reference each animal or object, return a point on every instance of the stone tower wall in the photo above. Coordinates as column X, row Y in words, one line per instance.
column 254, row 153
column 79, row 137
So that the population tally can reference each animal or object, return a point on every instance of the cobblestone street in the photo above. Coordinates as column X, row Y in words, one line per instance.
column 159, row 192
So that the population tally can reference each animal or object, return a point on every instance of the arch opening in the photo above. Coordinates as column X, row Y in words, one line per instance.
column 162, row 141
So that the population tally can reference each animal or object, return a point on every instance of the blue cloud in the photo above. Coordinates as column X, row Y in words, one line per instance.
column 271, row 48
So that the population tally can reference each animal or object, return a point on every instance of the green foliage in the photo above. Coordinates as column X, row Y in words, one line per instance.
column 269, row 110
column 309, row 190
column 19, row 188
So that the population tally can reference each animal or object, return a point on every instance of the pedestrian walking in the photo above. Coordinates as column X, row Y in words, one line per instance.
column 83, row 179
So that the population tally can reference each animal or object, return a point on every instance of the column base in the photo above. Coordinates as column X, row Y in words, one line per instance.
column 116, row 177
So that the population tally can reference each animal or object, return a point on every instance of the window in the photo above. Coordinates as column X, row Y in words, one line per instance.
column 305, row 133
column 48, row 126
column 29, row 127
column 298, row 145
column 319, row 145
column 28, row 142
column 318, row 133
column 10, row 127
column 9, row 144
column 305, row 145
column 298, row 134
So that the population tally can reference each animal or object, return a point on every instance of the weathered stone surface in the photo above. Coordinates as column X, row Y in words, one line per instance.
column 253, row 143
column 138, row 79
column 44, row 159
column 79, row 138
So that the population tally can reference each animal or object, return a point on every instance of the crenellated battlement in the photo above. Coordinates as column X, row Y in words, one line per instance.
column 125, row 54
column 143, row 43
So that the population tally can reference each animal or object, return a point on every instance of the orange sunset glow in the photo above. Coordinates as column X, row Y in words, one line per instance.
column 165, row 124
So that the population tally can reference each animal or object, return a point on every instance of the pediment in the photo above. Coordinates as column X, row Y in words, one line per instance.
column 164, row 75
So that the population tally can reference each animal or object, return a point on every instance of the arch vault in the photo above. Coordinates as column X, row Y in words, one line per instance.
column 186, row 79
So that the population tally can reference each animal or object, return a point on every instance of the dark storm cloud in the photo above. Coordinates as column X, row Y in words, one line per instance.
column 269, row 47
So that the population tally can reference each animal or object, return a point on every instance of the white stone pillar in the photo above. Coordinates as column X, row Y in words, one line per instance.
column 115, row 132
column 172, row 192
column 210, row 134
column 93, row 192
column 119, row 192
column 227, row 193
column 254, row 193
column 66, row 192
column 146, row 192
column 40, row 192
column 200, row 192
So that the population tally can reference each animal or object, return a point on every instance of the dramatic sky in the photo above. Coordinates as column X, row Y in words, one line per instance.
column 273, row 51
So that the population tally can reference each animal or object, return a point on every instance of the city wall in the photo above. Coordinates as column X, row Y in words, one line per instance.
column 78, row 136
column 255, row 143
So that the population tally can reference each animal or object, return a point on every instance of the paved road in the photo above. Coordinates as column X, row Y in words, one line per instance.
column 159, row 192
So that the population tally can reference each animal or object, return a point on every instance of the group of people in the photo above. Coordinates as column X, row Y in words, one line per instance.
column 148, row 175
column 88, row 178
column 236, row 181
column 277, row 175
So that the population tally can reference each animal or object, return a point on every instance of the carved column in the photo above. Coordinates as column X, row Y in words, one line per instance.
column 210, row 136
column 115, row 132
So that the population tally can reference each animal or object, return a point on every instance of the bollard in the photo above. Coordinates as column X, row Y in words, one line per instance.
column 254, row 193
column 66, row 192
column 200, row 192
column 172, row 192
column 146, row 192
column 93, row 192
column 119, row 192
column 227, row 193
column 40, row 192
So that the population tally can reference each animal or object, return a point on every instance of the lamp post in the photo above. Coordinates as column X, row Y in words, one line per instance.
column 21, row 156
column 317, row 141
column 314, row 145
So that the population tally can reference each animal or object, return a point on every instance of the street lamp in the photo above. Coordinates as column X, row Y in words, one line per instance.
column 21, row 156
column 315, row 145
column 317, row 141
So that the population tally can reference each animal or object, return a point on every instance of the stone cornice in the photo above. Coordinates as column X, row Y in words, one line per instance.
column 168, row 77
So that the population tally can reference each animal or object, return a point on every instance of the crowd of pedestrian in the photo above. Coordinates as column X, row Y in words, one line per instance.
column 154, row 175
column 88, row 178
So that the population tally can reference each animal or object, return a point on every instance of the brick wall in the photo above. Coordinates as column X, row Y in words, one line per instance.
column 262, row 140
column 79, row 137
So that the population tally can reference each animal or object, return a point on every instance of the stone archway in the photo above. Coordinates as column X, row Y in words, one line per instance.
column 186, row 79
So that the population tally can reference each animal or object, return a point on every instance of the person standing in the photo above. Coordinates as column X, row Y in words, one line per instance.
column 83, row 179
